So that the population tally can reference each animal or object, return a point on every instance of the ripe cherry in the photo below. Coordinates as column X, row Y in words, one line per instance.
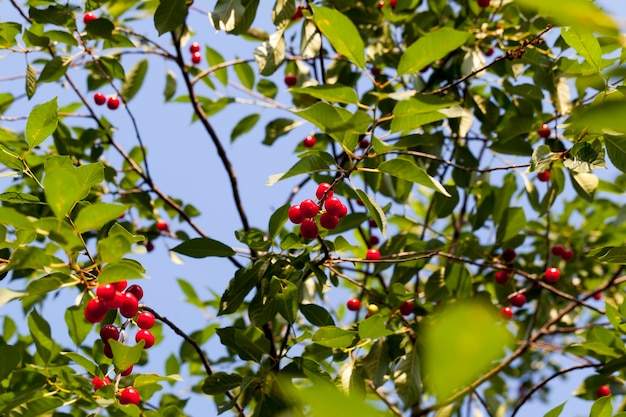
column 162, row 226
column 149, row 246
column 552, row 274
column 392, row 3
column 354, row 304
column 407, row 308
column 544, row 176
column 309, row 229
column 99, row 382
column 603, row 391
column 105, row 292
column 502, row 277
column 295, row 214
column 483, row 3
column 506, row 312
column 130, row 306
column 298, row 13
column 194, row 47
column 108, row 352
column 116, row 302
column 372, row 309
column 597, row 296
column 145, row 320
column 109, row 331
column 364, row 143
column 381, row 4
column 518, row 300
column 196, row 58
column 343, row 212
column 544, row 131
column 99, row 99
column 120, row 285
column 309, row 141
column 309, row 208
column 567, row 254
column 333, row 206
column 291, row 80
column 373, row 240
column 321, row 189
column 146, row 336
column 136, row 290
column 509, row 255
column 127, row 371
column 95, row 310
column 372, row 254
column 557, row 250
column 372, row 223
column 113, row 102
column 490, row 51
column 130, row 396
column 329, row 221
column 89, row 17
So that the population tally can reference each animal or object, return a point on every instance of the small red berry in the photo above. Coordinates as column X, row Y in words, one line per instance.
column 603, row 391
column 490, row 51
column 99, row 99
column 343, row 212
column 130, row 306
column 291, row 80
column 99, row 382
column 518, row 300
column 502, row 277
column 545, row 131
column 309, row 141
column 552, row 274
column 372, row 223
column 506, row 312
column 544, row 176
column 321, row 189
column 105, row 292
column 146, row 336
column 374, row 240
column 95, row 310
column 130, row 396
column 392, row 3
column 136, row 290
column 309, row 208
column 108, row 352
column 120, row 285
column 483, row 3
column 162, row 226
column 557, row 250
column 381, row 4
column 567, row 255
column 333, row 206
column 309, row 229
column 372, row 254
column 407, row 308
column 509, row 255
column 194, row 47
column 329, row 221
column 354, row 304
column 298, row 14
column 116, row 302
column 145, row 320
column 295, row 214
column 89, row 17
column 196, row 58
column 597, row 296
column 113, row 102
column 364, row 143
column 149, row 246
column 109, row 331
column 127, row 371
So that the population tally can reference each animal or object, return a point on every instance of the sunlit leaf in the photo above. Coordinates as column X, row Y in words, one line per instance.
column 341, row 33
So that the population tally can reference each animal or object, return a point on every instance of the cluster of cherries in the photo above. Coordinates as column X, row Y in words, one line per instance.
column 392, row 4
column 305, row 212
column 196, row 56
column 116, row 296
column 354, row 304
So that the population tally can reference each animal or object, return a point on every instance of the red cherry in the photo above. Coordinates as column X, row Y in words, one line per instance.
column 483, row 3
column 309, row 141
column 506, row 312
column 120, row 285
column 557, row 250
column 374, row 240
column 321, row 189
column 95, row 310
column 567, row 255
column 372, row 254
column 597, row 296
column 392, row 3
column 372, row 223
column 343, row 212
column 145, row 320
column 309, row 208
column 105, row 292
column 113, row 102
column 162, row 226
column 309, row 229
column 108, row 352
column 545, row 131
column 109, row 331
column 130, row 306
column 333, row 206
column 127, row 371
column 194, row 47
column 291, row 80
column 509, row 255
column 502, row 277
column 518, row 300
column 381, row 4
column 295, row 214
column 149, row 246
column 89, row 17
column 407, row 308
column 146, row 336
column 130, row 396
column 552, row 275
column 99, row 382
column 354, row 304
column 196, row 58
column 116, row 302
column 364, row 143
column 99, row 99
column 328, row 221
column 603, row 391
column 298, row 14
column 135, row 290
column 544, row 176
column 490, row 51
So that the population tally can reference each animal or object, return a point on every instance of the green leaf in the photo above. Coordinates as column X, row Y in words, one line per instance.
column 277, row 220
column 585, row 43
column 374, row 209
column 121, row 270
column 616, row 149
column 126, row 355
column 244, row 126
column 317, row 315
column 8, row 32
column 373, row 328
column 85, row 363
column 415, row 112
column 277, row 128
column 250, row 344
column 31, row 81
column 238, row 288
column 408, row 170
column 585, row 184
column 215, row 58
column 96, row 215
column 585, row 157
column 285, row 294
column 334, row 93
column 333, row 337
column 134, row 79
column 42, row 122
column 341, row 33
column 609, row 254
column 271, row 53
column 77, row 326
column 55, row 69
column 220, row 382
column 203, row 247
column 100, row 29
column 407, row 377
column 169, row 15
column 576, row 13
column 7, row 295
column 234, row 16
column 429, row 48
column 513, row 221
column 602, row 407
column 40, row 331
column 307, row 165
column 556, row 411
column 9, row 359
column 245, row 74
column 376, row 363
column 170, row 85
